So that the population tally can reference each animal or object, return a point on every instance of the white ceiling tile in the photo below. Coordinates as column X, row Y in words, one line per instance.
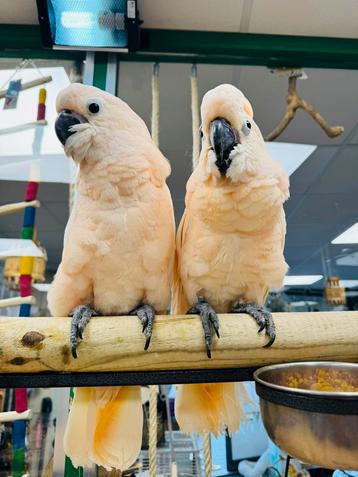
column 209, row 15
column 19, row 12
column 336, row 18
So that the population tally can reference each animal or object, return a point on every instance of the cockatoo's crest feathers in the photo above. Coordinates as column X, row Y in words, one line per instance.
column 247, row 108
column 225, row 101
column 233, row 147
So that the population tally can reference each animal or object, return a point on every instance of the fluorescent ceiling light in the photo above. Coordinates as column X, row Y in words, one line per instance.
column 302, row 303
column 348, row 236
column 77, row 19
column 291, row 156
column 348, row 283
column 291, row 280
column 18, row 248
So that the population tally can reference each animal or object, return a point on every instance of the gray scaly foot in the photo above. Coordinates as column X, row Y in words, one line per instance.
column 81, row 316
column 146, row 314
column 263, row 319
column 209, row 319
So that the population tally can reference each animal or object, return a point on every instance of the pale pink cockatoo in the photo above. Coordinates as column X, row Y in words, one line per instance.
column 117, row 259
column 229, row 244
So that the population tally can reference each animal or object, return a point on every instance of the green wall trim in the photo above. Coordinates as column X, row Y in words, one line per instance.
column 179, row 46
column 100, row 70
column 70, row 470
column 24, row 41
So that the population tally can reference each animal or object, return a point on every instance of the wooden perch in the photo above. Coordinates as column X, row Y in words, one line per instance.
column 116, row 343
column 294, row 102
column 12, row 416
column 29, row 84
column 17, row 206
column 23, row 127
column 16, row 301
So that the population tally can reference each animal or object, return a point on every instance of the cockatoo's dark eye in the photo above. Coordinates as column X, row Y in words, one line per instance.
column 94, row 106
column 201, row 133
column 246, row 127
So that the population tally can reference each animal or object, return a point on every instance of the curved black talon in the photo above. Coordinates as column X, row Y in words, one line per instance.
column 81, row 316
column 263, row 319
column 209, row 319
column 146, row 314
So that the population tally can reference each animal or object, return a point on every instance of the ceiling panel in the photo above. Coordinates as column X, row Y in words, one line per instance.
column 209, row 15
column 305, row 17
column 310, row 172
column 335, row 18
column 335, row 208
column 341, row 174
column 306, row 235
column 18, row 12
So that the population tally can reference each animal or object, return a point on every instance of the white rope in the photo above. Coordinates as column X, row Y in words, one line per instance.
column 195, row 114
column 173, row 466
column 33, row 64
column 153, row 390
column 155, row 104
column 207, row 454
column 22, row 64
column 153, row 431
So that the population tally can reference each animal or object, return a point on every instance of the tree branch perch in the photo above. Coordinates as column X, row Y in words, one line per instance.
column 294, row 102
column 113, row 344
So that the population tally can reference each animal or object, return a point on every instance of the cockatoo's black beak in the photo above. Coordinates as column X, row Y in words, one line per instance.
column 63, row 124
column 223, row 138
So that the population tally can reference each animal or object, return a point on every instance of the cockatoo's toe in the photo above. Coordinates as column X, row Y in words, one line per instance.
column 81, row 316
column 146, row 314
column 209, row 319
column 263, row 319
column 270, row 329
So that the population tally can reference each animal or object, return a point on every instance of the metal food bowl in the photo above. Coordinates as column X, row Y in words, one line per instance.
column 310, row 410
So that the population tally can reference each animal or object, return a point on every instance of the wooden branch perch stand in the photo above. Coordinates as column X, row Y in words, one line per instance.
column 295, row 102
column 115, row 345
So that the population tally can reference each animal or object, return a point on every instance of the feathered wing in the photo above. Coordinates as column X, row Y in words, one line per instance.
column 105, row 427
column 180, row 304
column 211, row 407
